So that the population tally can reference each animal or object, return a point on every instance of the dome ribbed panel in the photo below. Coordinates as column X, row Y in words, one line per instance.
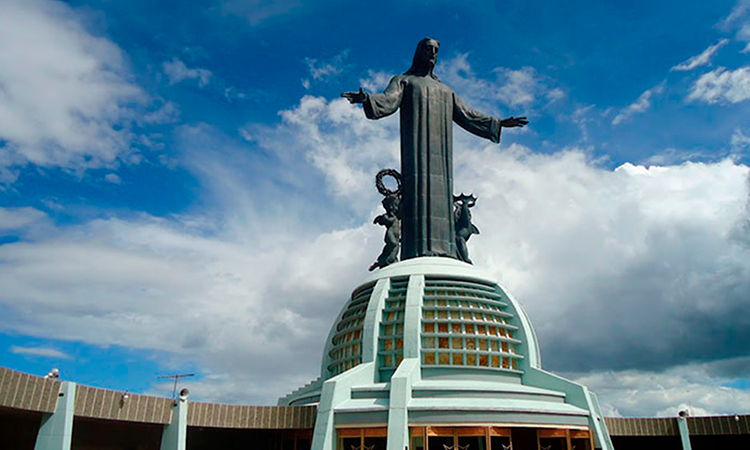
column 465, row 323
column 346, row 350
column 391, row 346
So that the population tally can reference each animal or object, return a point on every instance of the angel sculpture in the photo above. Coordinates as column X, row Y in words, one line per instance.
column 391, row 219
column 464, row 227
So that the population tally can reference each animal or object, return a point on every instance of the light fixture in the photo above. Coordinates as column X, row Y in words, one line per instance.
column 53, row 374
column 123, row 398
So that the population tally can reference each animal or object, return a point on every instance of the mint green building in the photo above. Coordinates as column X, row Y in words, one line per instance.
column 431, row 353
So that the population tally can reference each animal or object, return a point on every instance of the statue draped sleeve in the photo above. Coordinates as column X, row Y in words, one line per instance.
column 475, row 122
column 377, row 106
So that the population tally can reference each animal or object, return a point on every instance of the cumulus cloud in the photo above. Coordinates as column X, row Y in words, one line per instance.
column 168, row 112
column 18, row 218
column 697, row 387
column 738, row 20
column 637, row 270
column 43, row 352
column 177, row 72
column 65, row 96
column 518, row 90
column 376, row 81
column 327, row 69
column 338, row 141
column 703, row 59
column 722, row 86
column 113, row 178
column 641, row 105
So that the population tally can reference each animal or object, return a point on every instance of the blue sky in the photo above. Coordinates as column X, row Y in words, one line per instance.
column 183, row 190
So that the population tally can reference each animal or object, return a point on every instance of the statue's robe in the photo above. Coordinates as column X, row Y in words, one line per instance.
column 428, row 110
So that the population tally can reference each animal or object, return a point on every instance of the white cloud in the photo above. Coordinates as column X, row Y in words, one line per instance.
column 722, row 86
column 376, row 81
column 693, row 387
column 17, row 218
column 113, row 178
column 66, row 99
column 341, row 144
column 739, row 12
column 519, row 89
column 168, row 112
column 704, row 58
column 326, row 70
column 641, row 105
column 177, row 72
column 581, row 118
column 44, row 352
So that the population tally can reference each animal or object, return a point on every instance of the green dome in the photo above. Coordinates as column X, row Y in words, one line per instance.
column 464, row 320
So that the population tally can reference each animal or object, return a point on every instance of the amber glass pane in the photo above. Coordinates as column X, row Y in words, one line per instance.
column 429, row 358
column 456, row 327
column 495, row 361
column 483, row 344
column 471, row 344
column 505, row 347
column 458, row 343
column 429, row 314
column 505, row 363
column 429, row 328
column 495, row 346
column 443, row 327
column 484, row 360
column 429, row 342
column 387, row 344
column 388, row 330
column 458, row 359
column 442, row 314
column 471, row 359
column 444, row 358
column 387, row 360
column 399, row 344
column 443, row 342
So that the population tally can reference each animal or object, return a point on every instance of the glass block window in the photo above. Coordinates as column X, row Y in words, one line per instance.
column 465, row 323
column 391, row 348
column 346, row 351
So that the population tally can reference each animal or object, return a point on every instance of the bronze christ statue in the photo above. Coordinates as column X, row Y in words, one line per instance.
column 428, row 109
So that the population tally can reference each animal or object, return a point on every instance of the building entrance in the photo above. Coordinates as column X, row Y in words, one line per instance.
column 362, row 438
column 498, row 438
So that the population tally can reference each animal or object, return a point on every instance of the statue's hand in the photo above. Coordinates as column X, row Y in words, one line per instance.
column 355, row 97
column 512, row 122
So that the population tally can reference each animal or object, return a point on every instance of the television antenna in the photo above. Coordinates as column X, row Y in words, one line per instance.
column 176, row 377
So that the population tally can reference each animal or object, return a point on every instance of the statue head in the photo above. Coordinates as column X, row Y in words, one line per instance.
column 425, row 58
